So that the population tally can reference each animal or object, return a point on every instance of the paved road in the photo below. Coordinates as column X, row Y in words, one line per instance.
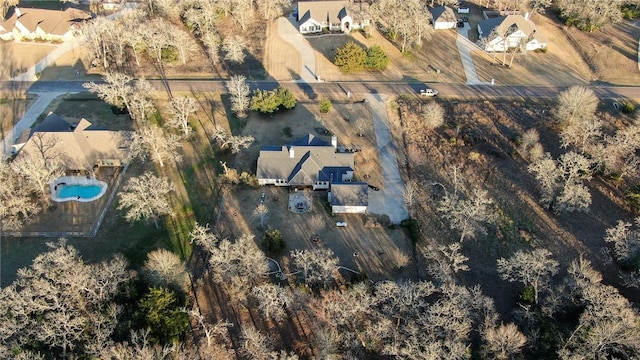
column 480, row 92
column 389, row 199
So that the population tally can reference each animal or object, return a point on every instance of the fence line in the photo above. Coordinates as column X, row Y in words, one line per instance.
column 88, row 234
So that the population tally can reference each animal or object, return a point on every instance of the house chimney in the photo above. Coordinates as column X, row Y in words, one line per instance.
column 291, row 153
column 334, row 141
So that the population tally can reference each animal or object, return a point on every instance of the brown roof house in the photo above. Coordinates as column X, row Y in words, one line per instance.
column 336, row 15
column 314, row 163
column 509, row 32
column 78, row 147
column 30, row 23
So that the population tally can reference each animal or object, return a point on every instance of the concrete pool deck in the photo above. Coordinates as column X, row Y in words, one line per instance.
column 61, row 182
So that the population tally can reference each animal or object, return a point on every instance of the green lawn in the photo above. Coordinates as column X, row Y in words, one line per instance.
column 86, row 105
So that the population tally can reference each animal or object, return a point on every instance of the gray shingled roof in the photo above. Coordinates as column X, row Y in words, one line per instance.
column 502, row 23
column 307, row 165
column 443, row 13
column 322, row 10
column 349, row 194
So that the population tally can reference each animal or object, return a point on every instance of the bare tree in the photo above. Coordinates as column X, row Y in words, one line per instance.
column 561, row 182
column 575, row 103
column 140, row 347
column 233, row 143
column 529, row 146
column 203, row 236
column 255, row 345
column 38, row 173
column 239, row 90
column 116, row 90
column 609, row 325
column 582, row 133
column 212, row 42
column 97, row 36
column 201, row 16
column 16, row 203
column 402, row 18
column 317, row 266
column 272, row 300
column 182, row 42
column 163, row 268
column 410, row 194
column 591, row 16
column 534, row 268
column 242, row 11
column 182, row 108
column 145, row 197
column 234, row 46
column 160, row 146
column 271, row 9
column 237, row 265
column 433, row 115
column 468, row 216
column 446, row 262
column 503, row 342
column 260, row 212
column 626, row 241
column 140, row 103
column 63, row 305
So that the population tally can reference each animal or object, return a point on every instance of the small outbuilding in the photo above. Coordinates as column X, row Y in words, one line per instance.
column 443, row 17
column 349, row 198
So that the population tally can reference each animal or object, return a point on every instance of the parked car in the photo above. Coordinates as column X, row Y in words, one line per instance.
column 463, row 10
column 341, row 224
column 428, row 92
column 460, row 23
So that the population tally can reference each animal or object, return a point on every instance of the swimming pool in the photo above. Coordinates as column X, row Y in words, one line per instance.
column 78, row 191
column 77, row 188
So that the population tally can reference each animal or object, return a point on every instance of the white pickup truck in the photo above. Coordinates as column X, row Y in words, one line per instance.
column 428, row 92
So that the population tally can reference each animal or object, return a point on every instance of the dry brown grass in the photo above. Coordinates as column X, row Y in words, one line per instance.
column 281, row 60
column 439, row 52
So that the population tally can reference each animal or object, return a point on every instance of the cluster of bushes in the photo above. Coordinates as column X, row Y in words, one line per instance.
column 352, row 57
column 267, row 102
column 630, row 11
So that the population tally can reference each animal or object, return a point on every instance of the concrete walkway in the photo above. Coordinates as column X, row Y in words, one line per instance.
column 288, row 32
column 465, row 47
column 388, row 200
column 27, row 120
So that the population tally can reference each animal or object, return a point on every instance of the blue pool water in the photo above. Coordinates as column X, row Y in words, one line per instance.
column 75, row 191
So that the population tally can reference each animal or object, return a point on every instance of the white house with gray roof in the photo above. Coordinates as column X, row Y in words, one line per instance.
column 310, row 162
column 443, row 17
column 508, row 32
column 335, row 15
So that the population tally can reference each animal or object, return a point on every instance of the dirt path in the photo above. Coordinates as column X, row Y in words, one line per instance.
column 388, row 201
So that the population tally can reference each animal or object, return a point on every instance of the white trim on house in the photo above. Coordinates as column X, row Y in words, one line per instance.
column 310, row 27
